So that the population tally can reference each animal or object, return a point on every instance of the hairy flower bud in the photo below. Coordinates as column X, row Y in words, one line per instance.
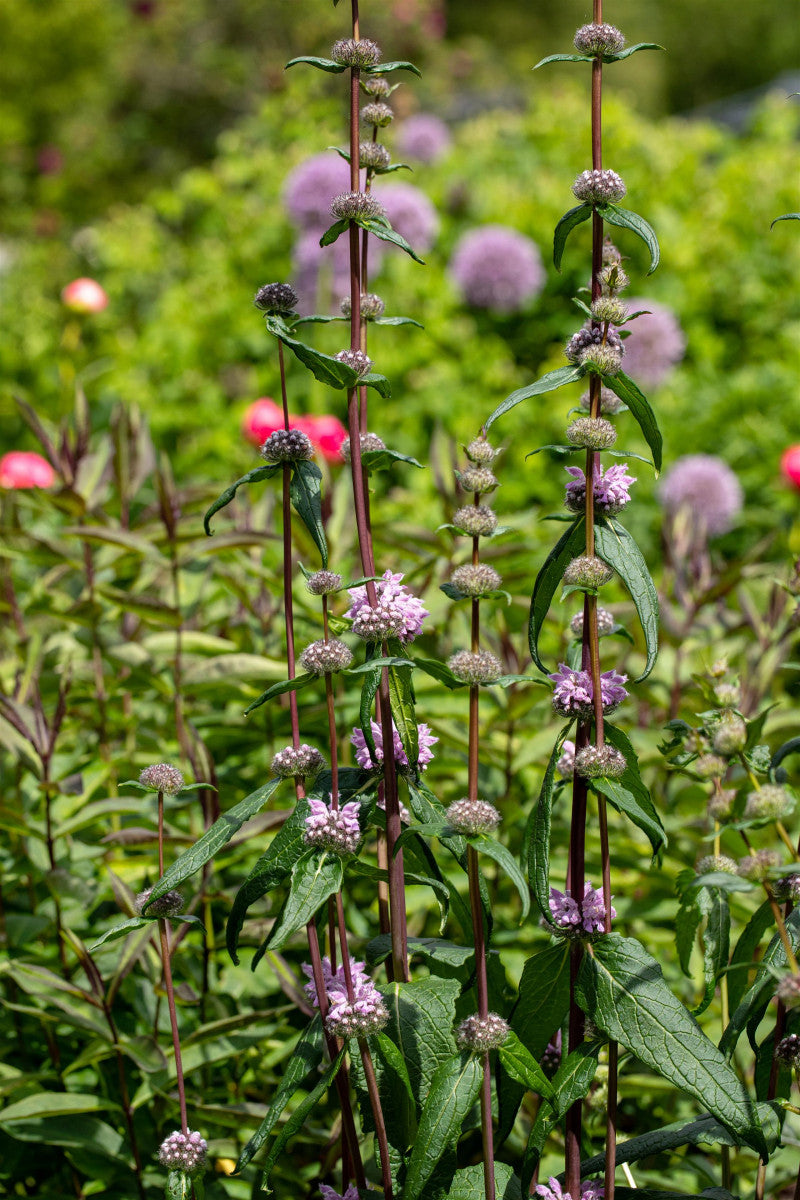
column 385, row 620
column 475, row 520
column 720, row 806
column 325, row 658
column 371, row 306
column 482, row 452
column 599, row 40
column 605, row 623
column 587, row 339
column 593, row 433
column 352, row 52
column 183, row 1151
column 168, row 905
column 769, row 803
column 588, row 571
column 471, row 817
column 609, row 308
column 476, row 580
column 566, row 763
column 356, row 204
column 787, row 888
column 473, row 669
column 756, row 867
column 323, row 583
column 710, row 766
column 376, row 85
column 377, row 113
column 276, row 298
column 600, row 762
column 356, row 359
column 373, row 154
column 162, row 777
column 605, row 360
column 610, row 402
column 788, row 1051
column 368, row 442
column 287, row 445
column 613, row 279
column 717, row 862
column 730, row 736
column 477, row 479
column 727, row 695
column 297, row 762
column 599, row 187
column 482, row 1034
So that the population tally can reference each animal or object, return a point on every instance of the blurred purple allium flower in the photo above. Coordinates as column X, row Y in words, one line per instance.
column 656, row 343
column 411, row 213
column 497, row 267
column 310, row 188
column 424, row 137
column 392, row 591
column 365, row 1014
column 572, row 694
column 611, row 489
column 359, row 742
column 328, row 1193
column 338, row 830
column 322, row 273
column 589, row 916
column 707, row 486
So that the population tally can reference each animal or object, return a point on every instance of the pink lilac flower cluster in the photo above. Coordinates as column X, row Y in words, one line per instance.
column 552, row 1190
column 611, row 489
column 498, row 268
column 328, row 1193
column 365, row 1014
column 590, row 916
column 573, row 692
column 392, row 592
column 183, row 1152
column 338, row 830
column 364, row 760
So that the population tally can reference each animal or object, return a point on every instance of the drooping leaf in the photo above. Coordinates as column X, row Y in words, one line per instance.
column 315, row 877
column 755, row 1000
column 382, row 460
column 254, row 476
column 629, row 50
column 382, row 230
column 299, row 1117
column 398, row 321
column 571, row 220
column 369, row 690
column 454, row 1089
column 630, row 805
column 323, row 367
column 792, row 746
column 322, row 64
column 638, row 404
column 569, row 546
column 387, row 67
column 622, row 990
column 523, row 1067
column 401, row 700
column 537, row 834
column 279, row 689
column 744, row 953
column 687, row 922
column 786, row 217
column 616, row 547
column 306, row 493
column 574, row 1077
column 379, row 382
column 507, row 863
column 436, row 951
column 553, row 58
column 633, row 783
column 623, row 218
column 713, row 904
column 547, row 383
column 126, row 927
column 335, row 231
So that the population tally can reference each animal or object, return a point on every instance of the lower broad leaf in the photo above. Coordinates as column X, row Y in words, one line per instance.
column 468, row 1183
column 306, row 493
column 453, row 1091
column 507, row 863
column 299, row 1117
column 571, row 544
column 315, row 877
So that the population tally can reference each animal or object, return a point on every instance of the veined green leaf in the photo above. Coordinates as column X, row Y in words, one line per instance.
column 387, row 234
column 786, row 217
column 537, row 833
column 571, row 220
column 523, row 1067
column 569, row 545
column 126, row 927
column 468, row 1184
column 631, row 780
column 322, row 64
column 254, row 476
column 507, row 863
column 755, row 1000
column 616, row 547
column 299, row 1117
column 323, row 367
column 713, row 904
column 643, row 815
column 547, row 383
column 637, row 402
column 624, row 219
column 335, row 231
column 306, row 493
column 278, row 689
column 421, row 1019
column 553, row 58
column 574, row 1077
column 745, row 951
column 315, row 877
column 454, row 1089
column 401, row 700
column 629, row 50
column 387, row 67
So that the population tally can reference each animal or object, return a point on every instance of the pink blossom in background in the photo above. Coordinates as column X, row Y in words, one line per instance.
column 311, row 186
column 25, row 469
column 49, row 160
column 424, row 137
column 498, row 268
column 411, row 213
column 656, row 344
column 790, row 465
column 706, row 485
column 327, row 433
column 261, row 418
column 84, row 296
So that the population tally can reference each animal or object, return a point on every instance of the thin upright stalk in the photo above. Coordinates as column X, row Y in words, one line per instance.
column 166, row 965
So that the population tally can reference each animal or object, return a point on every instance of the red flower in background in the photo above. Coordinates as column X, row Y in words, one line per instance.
column 261, row 419
column 790, row 465
column 25, row 469
column 264, row 416
column 327, row 434
column 84, row 296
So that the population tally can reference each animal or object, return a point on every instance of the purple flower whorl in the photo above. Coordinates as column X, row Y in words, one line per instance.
column 578, row 919
column 599, row 39
column 426, row 742
column 337, row 830
column 611, row 489
column 573, row 692
column 395, row 600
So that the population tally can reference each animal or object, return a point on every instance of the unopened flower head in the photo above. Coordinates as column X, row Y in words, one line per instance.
column 477, row 479
column 394, row 598
column 297, row 762
column 276, row 298
column 613, row 279
column 287, row 445
column 710, row 766
column 711, row 863
column 610, row 402
column 588, row 571
column 376, row 85
column 589, row 339
column 476, row 580
column 788, row 990
column 612, row 256
column 728, row 694
column 471, row 817
column 497, row 268
column 371, row 306
column 482, row 667
column 757, row 867
column 482, row 1034
column 553, row 1052
column 592, row 433
column 730, row 736
column 357, row 360
column 425, row 741
column 355, row 52
column 368, row 443
column 162, row 777
column 599, row 187
column 599, row 39
column 356, row 204
column 323, row 583
column 338, row 830
column 604, row 360
column 168, row 905
column 572, row 694
column 482, row 452
column 706, row 487
column 587, row 917
column 770, row 803
column 600, row 762
column 611, row 489
column 374, row 155
column 325, row 658
column 377, row 113
column 610, row 309
column 788, row 1051
column 720, row 806
column 475, row 520
column 605, row 623
column 566, row 763
column 184, row 1152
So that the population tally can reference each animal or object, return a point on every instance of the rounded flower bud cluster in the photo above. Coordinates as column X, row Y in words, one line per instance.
column 276, row 298
column 377, row 86
column 360, row 362
column 168, row 905
column 368, row 442
column 610, row 402
column 471, row 817
column 373, row 154
column 566, row 763
column 323, row 583
column 297, row 762
column 600, row 762
column 730, row 735
column 366, row 1016
column 599, row 40
column 588, row 571
column 371, row 306
column 377, row 113
column 787, row 888
column 756, row 867
column 599, row 187
column 788, row 1051
column 338, row 829
column 593, row 433
column 727, row 695
column 476, row 580
column 609, row 308
column 482, row 1034
column 605, row 623
column 770, row 803
column 605, row 360
column 613, row 279
column 376, row 624
column 183, row 1151
column 473, row 669
column 788, row 990
column 475, row 520
column 354, row 52
column 162, row 777
column 356, row 204
column 325, row 658
column 482, row 452
column 717, row 862
column 287, row 445
column 720, row 806
column 585, row 345
column 710, row 766
column 478, row 479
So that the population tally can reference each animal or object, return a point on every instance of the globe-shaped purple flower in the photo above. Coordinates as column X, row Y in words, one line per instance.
column 310, row 188
column 424, row 137
column 322, row 273
column 705, row 485
column 498, row 268
column 411, row 213
column 656, row 343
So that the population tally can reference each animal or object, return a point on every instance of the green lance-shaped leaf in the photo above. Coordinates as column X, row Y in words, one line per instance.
column 383, row 230
column 547, row 383
column 507, row 863
column 637, row 402
column 786, row 217
column 569, row 546
column 714, row 906
column 323, row 367
column 306, row 1059
column 126, row 927
column 213, row 840
column 622, row 990
column 299, row 1117
column 454, row 1089
column 382, row 460
column 745, row 952
column 629, row 50
column 387, row 67
column 631, row 780
column 369, row 690
column 335, row 231
column 554, row 58
column 401, row 700
column 537, row 834
column 753, row 1004
column 523, row 1067
column 574, row 1077
column 278, row 689
column 322, row 64
column 687, row 922
column 624, row 219
column 616, row 547
column 254, row 476
column 306, row 493
column 571, row 220
column 271, row 869
column 315, row 877
column 644, row 817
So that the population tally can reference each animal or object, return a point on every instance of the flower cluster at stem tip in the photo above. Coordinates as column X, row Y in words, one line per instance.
column 365, row 1014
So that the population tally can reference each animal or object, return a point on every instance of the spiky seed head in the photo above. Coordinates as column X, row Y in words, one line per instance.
column 475, row 520
column 482, row 1034
column 471, row 817
column 771, row 802
column 276, row 298
column 605, row 360
column 477, row 479
column 323, row 583
column 325, row 658
column 588, row 571
column 600, row 762
column 599, row 187
column 286, row 446
column 374, row 155
column 717, row 862
column 605, row 623
column 788, row 1051
column 369, row 442
column 609, row 308
column 482, row 452
column 162, row 777
column 297, row 763
column 354, row 52
column 610, row 402
column 476, row 580
column 377, row 113
column 710, row 766
column 183, row 1152
column 376, row 85
column 756, row 867
column 613, row 279
column 788, row 990
column 356, row 204
column 371, row 306
column 593, row 433
column 474, row 669
column 599, row 39
column 730, row 736
column 168, row 905
column 720, row 806
column 360, row 362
